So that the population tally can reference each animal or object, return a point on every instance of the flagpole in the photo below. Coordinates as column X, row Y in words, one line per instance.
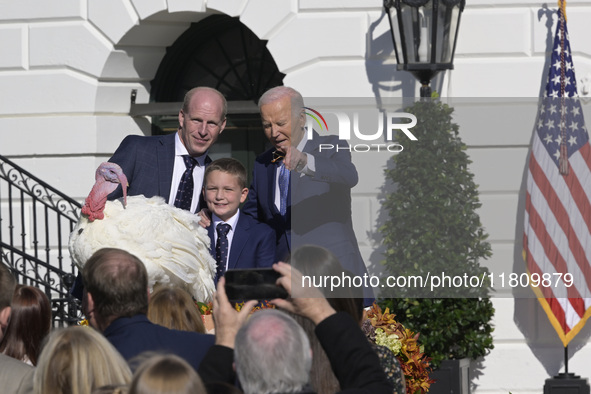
column 566, row 360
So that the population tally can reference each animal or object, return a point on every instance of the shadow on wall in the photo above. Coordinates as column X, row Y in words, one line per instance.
column 548, row 14
column 375, row 265
column 387, row 81
column 381, row 65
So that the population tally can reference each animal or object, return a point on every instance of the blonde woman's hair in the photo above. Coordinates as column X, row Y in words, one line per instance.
column 174, row 308
column 166, row 374
column 77, row 360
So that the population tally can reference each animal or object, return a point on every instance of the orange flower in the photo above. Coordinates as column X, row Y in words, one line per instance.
column 415, row 364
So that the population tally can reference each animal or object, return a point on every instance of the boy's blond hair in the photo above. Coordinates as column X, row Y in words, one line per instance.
column 229, row 166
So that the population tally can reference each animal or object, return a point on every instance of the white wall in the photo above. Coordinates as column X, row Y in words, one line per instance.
column 67, row 70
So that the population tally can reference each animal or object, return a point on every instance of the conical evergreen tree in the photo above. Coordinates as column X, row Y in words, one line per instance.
column 433, row 228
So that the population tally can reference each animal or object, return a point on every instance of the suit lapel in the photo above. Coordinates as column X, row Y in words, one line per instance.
column 211, row 233
column 271, row 184
column 165, row 165
column 238, row 240
column 202, row 204
column 311, row 145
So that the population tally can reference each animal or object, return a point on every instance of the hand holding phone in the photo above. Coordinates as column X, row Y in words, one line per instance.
column 253, row 284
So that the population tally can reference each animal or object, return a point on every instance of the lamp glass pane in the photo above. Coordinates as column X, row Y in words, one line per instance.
column 393, row 15
column 447, row 24
column 416, row 25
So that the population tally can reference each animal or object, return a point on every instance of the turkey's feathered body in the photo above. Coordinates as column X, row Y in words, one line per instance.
column 168, row 240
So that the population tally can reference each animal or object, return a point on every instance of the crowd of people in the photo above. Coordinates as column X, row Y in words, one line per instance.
column 267, row 351
column 142, row 342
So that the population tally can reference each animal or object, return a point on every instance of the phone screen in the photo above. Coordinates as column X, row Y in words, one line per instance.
column 253, row 284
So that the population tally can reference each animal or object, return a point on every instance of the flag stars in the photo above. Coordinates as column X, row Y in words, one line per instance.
column 561, row 122
column 558, row 140
column 550, row 124
column 572, row 140
column 563, row 110
column 548, row 139
column 574, row 126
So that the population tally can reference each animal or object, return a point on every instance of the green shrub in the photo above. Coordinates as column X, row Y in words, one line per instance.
column 433, row 228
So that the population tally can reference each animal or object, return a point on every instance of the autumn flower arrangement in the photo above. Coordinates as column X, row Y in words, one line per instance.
column 382, row 329
column 204, row 308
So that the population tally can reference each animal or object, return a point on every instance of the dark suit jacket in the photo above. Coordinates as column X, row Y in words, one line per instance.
column 353, row 361
column 319, row 207
column 132, row 336
column 148, row 164
column 16, row 377
column 253, row 244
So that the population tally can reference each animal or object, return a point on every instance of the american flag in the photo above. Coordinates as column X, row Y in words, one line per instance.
column 557, row 238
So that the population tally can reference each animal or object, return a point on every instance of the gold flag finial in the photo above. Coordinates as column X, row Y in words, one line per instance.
column 562, row 5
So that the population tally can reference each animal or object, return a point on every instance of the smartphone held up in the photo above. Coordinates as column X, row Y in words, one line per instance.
column 253, row 284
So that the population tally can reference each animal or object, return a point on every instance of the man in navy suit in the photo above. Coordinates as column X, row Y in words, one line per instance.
column 318, row 192
column 249, row 243
column 154, row 165
column 116, row 303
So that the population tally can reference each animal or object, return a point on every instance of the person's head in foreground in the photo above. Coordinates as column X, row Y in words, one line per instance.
column 77, row 360
column 166, row 374
column 173, row 307
column 272, row 354
column 30, row 322
column 116, row 284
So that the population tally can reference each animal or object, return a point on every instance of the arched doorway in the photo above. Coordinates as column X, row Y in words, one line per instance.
column 222, row 53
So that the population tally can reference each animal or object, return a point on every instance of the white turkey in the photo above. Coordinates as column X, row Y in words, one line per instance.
column 169, row 240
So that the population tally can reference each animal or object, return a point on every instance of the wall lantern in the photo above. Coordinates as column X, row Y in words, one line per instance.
column 424, row 33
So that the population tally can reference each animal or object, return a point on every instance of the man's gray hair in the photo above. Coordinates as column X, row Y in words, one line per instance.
column 272, row 354
column 277, row 93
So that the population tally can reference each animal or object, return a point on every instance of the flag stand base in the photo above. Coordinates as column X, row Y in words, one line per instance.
column 566, row 383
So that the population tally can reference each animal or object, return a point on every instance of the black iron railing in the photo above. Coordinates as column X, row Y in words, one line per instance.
column 35, row 224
